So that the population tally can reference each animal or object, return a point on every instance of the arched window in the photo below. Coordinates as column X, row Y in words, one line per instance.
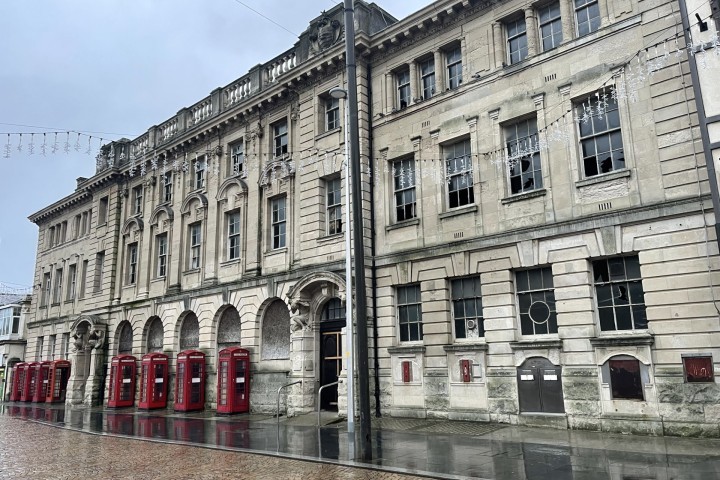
column 276, row 332
column 190, row 332
column 334, row 312
column 125, row 339
column 155, row 336
column 228, row 333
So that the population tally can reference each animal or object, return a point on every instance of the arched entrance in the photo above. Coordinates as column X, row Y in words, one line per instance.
column 540, row 386
column 332, row 320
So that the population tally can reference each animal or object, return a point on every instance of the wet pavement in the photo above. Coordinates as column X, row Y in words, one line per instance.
column 434, row 448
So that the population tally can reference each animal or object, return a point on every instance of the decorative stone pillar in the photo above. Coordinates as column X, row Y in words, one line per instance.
column 389, row 92
column 413, row 81
column 95, row 383
column 531, row 29
column 301, row 397
column 439, row 71
column 567, row 18
column 498, row 44
column 78, row 358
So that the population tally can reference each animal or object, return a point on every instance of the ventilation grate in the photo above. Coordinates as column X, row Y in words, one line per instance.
column 551, row 77
column 458, row 234
column 605, row 206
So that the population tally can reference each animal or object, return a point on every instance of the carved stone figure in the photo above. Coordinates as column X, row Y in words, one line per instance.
column 300, row 317
column 327, row 34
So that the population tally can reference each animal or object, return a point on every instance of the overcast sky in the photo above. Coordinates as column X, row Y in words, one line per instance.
column 117, row 67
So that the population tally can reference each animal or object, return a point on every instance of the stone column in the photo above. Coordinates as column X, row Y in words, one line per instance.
column 498, row 44
column 531, row 31
column 301, row 397
column 389, row 92
column 95, row 382
column 567, row 17
column 439, row 71
column 413, row 81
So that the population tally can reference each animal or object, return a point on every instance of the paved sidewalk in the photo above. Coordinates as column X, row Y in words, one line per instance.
column 435, row 448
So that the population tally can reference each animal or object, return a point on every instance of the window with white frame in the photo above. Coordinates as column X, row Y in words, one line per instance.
column 237, row 158
column 333, row 195
column 536, row 301
column 72, row 281
column 15, row 320
column 137, row 193
column 453, row 62
column 161, row 243
column 167, row 190
column 516, row 40
column 403, row 88
column 467, row 307
column 233, row 235
column 195, row 243
column 278, row 222
column 587, row 16
column 524, row 169
column 619, row 293
column 132, row 264
column 46, row 290
column 409, row 313
column 332, row 113
column 200, row 167
column 550, row 26
column 404, row 189
column 427, row 77
column 280, row 138
column 459, row 171
column 58, row 285
column 600, row 135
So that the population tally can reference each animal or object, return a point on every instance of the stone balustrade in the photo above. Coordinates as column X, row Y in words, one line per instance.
column 280, row 66
column 169, row 129
column 237, row 91
column 201, row 111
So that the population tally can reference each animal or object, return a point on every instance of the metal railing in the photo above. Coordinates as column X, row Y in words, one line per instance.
column 277, row 412
column 319, row 396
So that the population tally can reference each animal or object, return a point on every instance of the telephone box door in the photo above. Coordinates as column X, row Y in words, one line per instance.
column 121, row 391
column 153, row 381
column 18, row 381
column 42, row 382
column 190, row 381
column 233, row 381
column 59, row 373
column 28, row 387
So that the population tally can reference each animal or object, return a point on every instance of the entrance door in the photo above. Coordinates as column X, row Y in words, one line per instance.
column 331, row 321
column 540, row 386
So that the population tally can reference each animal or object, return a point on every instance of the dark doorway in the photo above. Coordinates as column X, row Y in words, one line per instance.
column 540, row 386
column 331, row 322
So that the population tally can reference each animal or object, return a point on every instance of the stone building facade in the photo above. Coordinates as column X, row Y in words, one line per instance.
column 538, row 228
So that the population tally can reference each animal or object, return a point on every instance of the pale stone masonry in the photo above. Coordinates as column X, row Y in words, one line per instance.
column 574, row 288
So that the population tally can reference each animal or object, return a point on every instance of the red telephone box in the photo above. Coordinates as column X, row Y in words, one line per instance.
column 59, row 373
column 233, row 380
column 153, row 381
column 42, row 381
column 18, row 381
column 28, row 387
column 190, row 381
column 121, row 390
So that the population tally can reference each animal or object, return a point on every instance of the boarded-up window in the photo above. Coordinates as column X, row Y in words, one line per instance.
column 155, row 336
column 276, row 332
column 126, row 339
column 625, row 379
column 228, row 333
column 189, row 332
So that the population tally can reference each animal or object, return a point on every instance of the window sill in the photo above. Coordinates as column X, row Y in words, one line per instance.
column 191, row 271
column 623, row 340
column 276, row 251
column 534, row 344
column 405, row 349
column 158, row 280
column 518, row 197
column 69, row 301
column 459, row 211
column 55, row 304
column 330, row 238
column 227, row 263
column 605, row 177
column 404, row 223
column 466, row 347
column 328, row 133
column 128, row 286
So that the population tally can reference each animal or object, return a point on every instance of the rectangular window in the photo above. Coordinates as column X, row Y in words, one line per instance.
column 698, row 368
column 99, row 267
column 587, row 16
column 137, row 200
column 65, row 347
column 536, row 301
column 404, row 189
column 516, row 40
column 50, row 237
column 523, row 156
column 16, row 320
column 600, row 136
column 103, row 211
column 332, row 113
column 39, row 348
column 83, row 278
column 467, row 307
column 161, row 248
column 409, row 313
column 233, row 239
column 620, row 295
column 72, row 281
column 280, row 138
column 167, row 189
column 278, row 222
column 427, row 77
column 403, row 88
column 625, row 379
column 458, row 167
column 46, row 290
column 51, row 347
column 200, row 166
column 237, row 158
column 550, row 26
column 334, row 206
column 76, row 226
column 58, row 285
column 195, row 243
column 453, row 60
column 132, row 263
column 63, row 227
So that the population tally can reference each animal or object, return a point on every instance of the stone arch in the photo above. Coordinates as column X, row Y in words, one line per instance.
column 162, row 209
column 132, row 223
column 124, row 338
column 312, row 291
column 198, row 197
column 189, row 331
column 154, row 335
column 274, row 330
column 228, row 327
column 227, row 184
column 285, row 169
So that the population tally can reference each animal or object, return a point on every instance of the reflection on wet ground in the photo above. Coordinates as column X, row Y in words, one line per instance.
column 497, row 453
